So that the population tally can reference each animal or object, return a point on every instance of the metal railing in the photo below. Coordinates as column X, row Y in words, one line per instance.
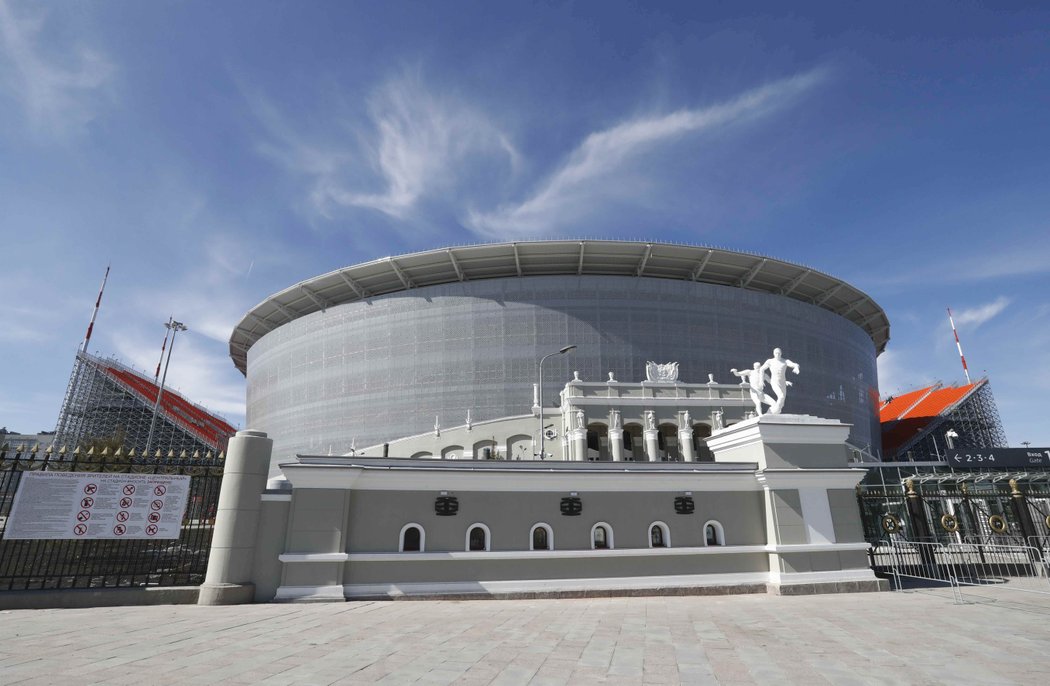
column 69, row 563
column 1022, row 568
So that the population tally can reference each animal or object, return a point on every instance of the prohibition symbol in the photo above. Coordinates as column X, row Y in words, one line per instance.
column 80, row 529
column 83, row 516
column 129, row 489
column 125, row 502
column 151, row 529
column 159, row 490
column 119, row 529
column 154, row 517
column 91, row 489
column 122, row 516
column 87, row 502
column 157, row 504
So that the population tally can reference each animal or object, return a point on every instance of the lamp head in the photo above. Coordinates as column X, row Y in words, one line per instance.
column 566, row 349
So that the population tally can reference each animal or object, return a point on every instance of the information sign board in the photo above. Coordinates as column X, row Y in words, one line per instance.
column 991, row 458
column 88, row 505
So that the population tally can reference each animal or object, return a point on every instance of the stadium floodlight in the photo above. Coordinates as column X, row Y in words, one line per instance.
column 539, row 387
column 175, row 327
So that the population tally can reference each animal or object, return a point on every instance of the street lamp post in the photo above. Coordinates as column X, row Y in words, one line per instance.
column 539, row 368
column 175, row 327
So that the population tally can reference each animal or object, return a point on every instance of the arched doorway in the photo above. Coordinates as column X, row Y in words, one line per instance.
column 597, row 442
column 667, row 440
column 633, row 445
column 701, row 453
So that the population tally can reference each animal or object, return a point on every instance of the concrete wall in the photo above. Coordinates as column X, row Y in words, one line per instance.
column 376, row 518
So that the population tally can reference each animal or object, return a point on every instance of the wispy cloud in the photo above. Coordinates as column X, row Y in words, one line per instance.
column 59, row 92
column 975, row 316
column 601, row 158
column 411, row 144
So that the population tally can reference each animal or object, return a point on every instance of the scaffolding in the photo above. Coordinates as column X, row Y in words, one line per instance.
column 973, row 420
column 108, row 401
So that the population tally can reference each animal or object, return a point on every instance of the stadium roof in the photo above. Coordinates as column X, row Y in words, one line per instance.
column 559, row 257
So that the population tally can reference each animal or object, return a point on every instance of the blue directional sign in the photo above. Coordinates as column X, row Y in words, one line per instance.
column 991, row 458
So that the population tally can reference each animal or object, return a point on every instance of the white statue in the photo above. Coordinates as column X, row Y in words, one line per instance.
column 612, row 378
column 778, row 367
column 718, row 419
column 650, row 420
column 617, row 422
column 687, row 421
column 661, row 373
column 756, row 379
column 711, row 378
column 581, row 420
column 576, row 377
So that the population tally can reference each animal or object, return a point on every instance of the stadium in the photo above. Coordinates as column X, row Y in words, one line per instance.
column 422, row 343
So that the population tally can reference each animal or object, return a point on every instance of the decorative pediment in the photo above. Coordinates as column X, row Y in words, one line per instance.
column 661, row 373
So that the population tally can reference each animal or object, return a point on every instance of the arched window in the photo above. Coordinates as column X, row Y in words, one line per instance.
column 412, row 538
column 452, row 452
column 478, row 537
column 601, row 536
column 659, row 535
column 422, row 454
column 714, row 534
column 541, row 537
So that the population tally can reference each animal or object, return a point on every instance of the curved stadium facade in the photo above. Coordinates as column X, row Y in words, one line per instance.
column 375, row 352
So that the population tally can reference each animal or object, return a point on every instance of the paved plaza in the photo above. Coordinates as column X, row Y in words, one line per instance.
column 884, row 638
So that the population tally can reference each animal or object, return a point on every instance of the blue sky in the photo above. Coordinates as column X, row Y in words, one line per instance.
column 215, row 153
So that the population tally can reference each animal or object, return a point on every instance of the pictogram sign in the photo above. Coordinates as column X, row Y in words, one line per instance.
column 90, row 505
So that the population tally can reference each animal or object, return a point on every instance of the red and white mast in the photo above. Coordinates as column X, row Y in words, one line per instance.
column 94, row 313
column 958, row 345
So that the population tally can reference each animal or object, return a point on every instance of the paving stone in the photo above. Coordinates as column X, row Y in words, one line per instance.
column 873, row 638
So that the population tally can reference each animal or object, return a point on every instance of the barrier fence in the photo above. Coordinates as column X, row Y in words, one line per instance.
column 1020, row 568
column 74, row 563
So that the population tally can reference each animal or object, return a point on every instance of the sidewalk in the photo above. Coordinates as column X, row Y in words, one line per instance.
column 865, row 638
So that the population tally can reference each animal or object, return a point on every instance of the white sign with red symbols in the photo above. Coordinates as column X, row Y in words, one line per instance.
column 51, row 505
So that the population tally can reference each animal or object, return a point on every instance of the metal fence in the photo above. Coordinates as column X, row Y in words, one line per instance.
column 1020, row 568
column 62, row 564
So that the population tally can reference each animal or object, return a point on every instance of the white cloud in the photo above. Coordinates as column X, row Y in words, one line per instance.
column 412, row 144
column 976, row 316
column 897, row 376
column 57, row 98
column 593, row 167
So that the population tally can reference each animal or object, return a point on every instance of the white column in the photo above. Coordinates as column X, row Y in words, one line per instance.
column 579, row 445
column 685, row 443
column 652, row 444
column 616, row 444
